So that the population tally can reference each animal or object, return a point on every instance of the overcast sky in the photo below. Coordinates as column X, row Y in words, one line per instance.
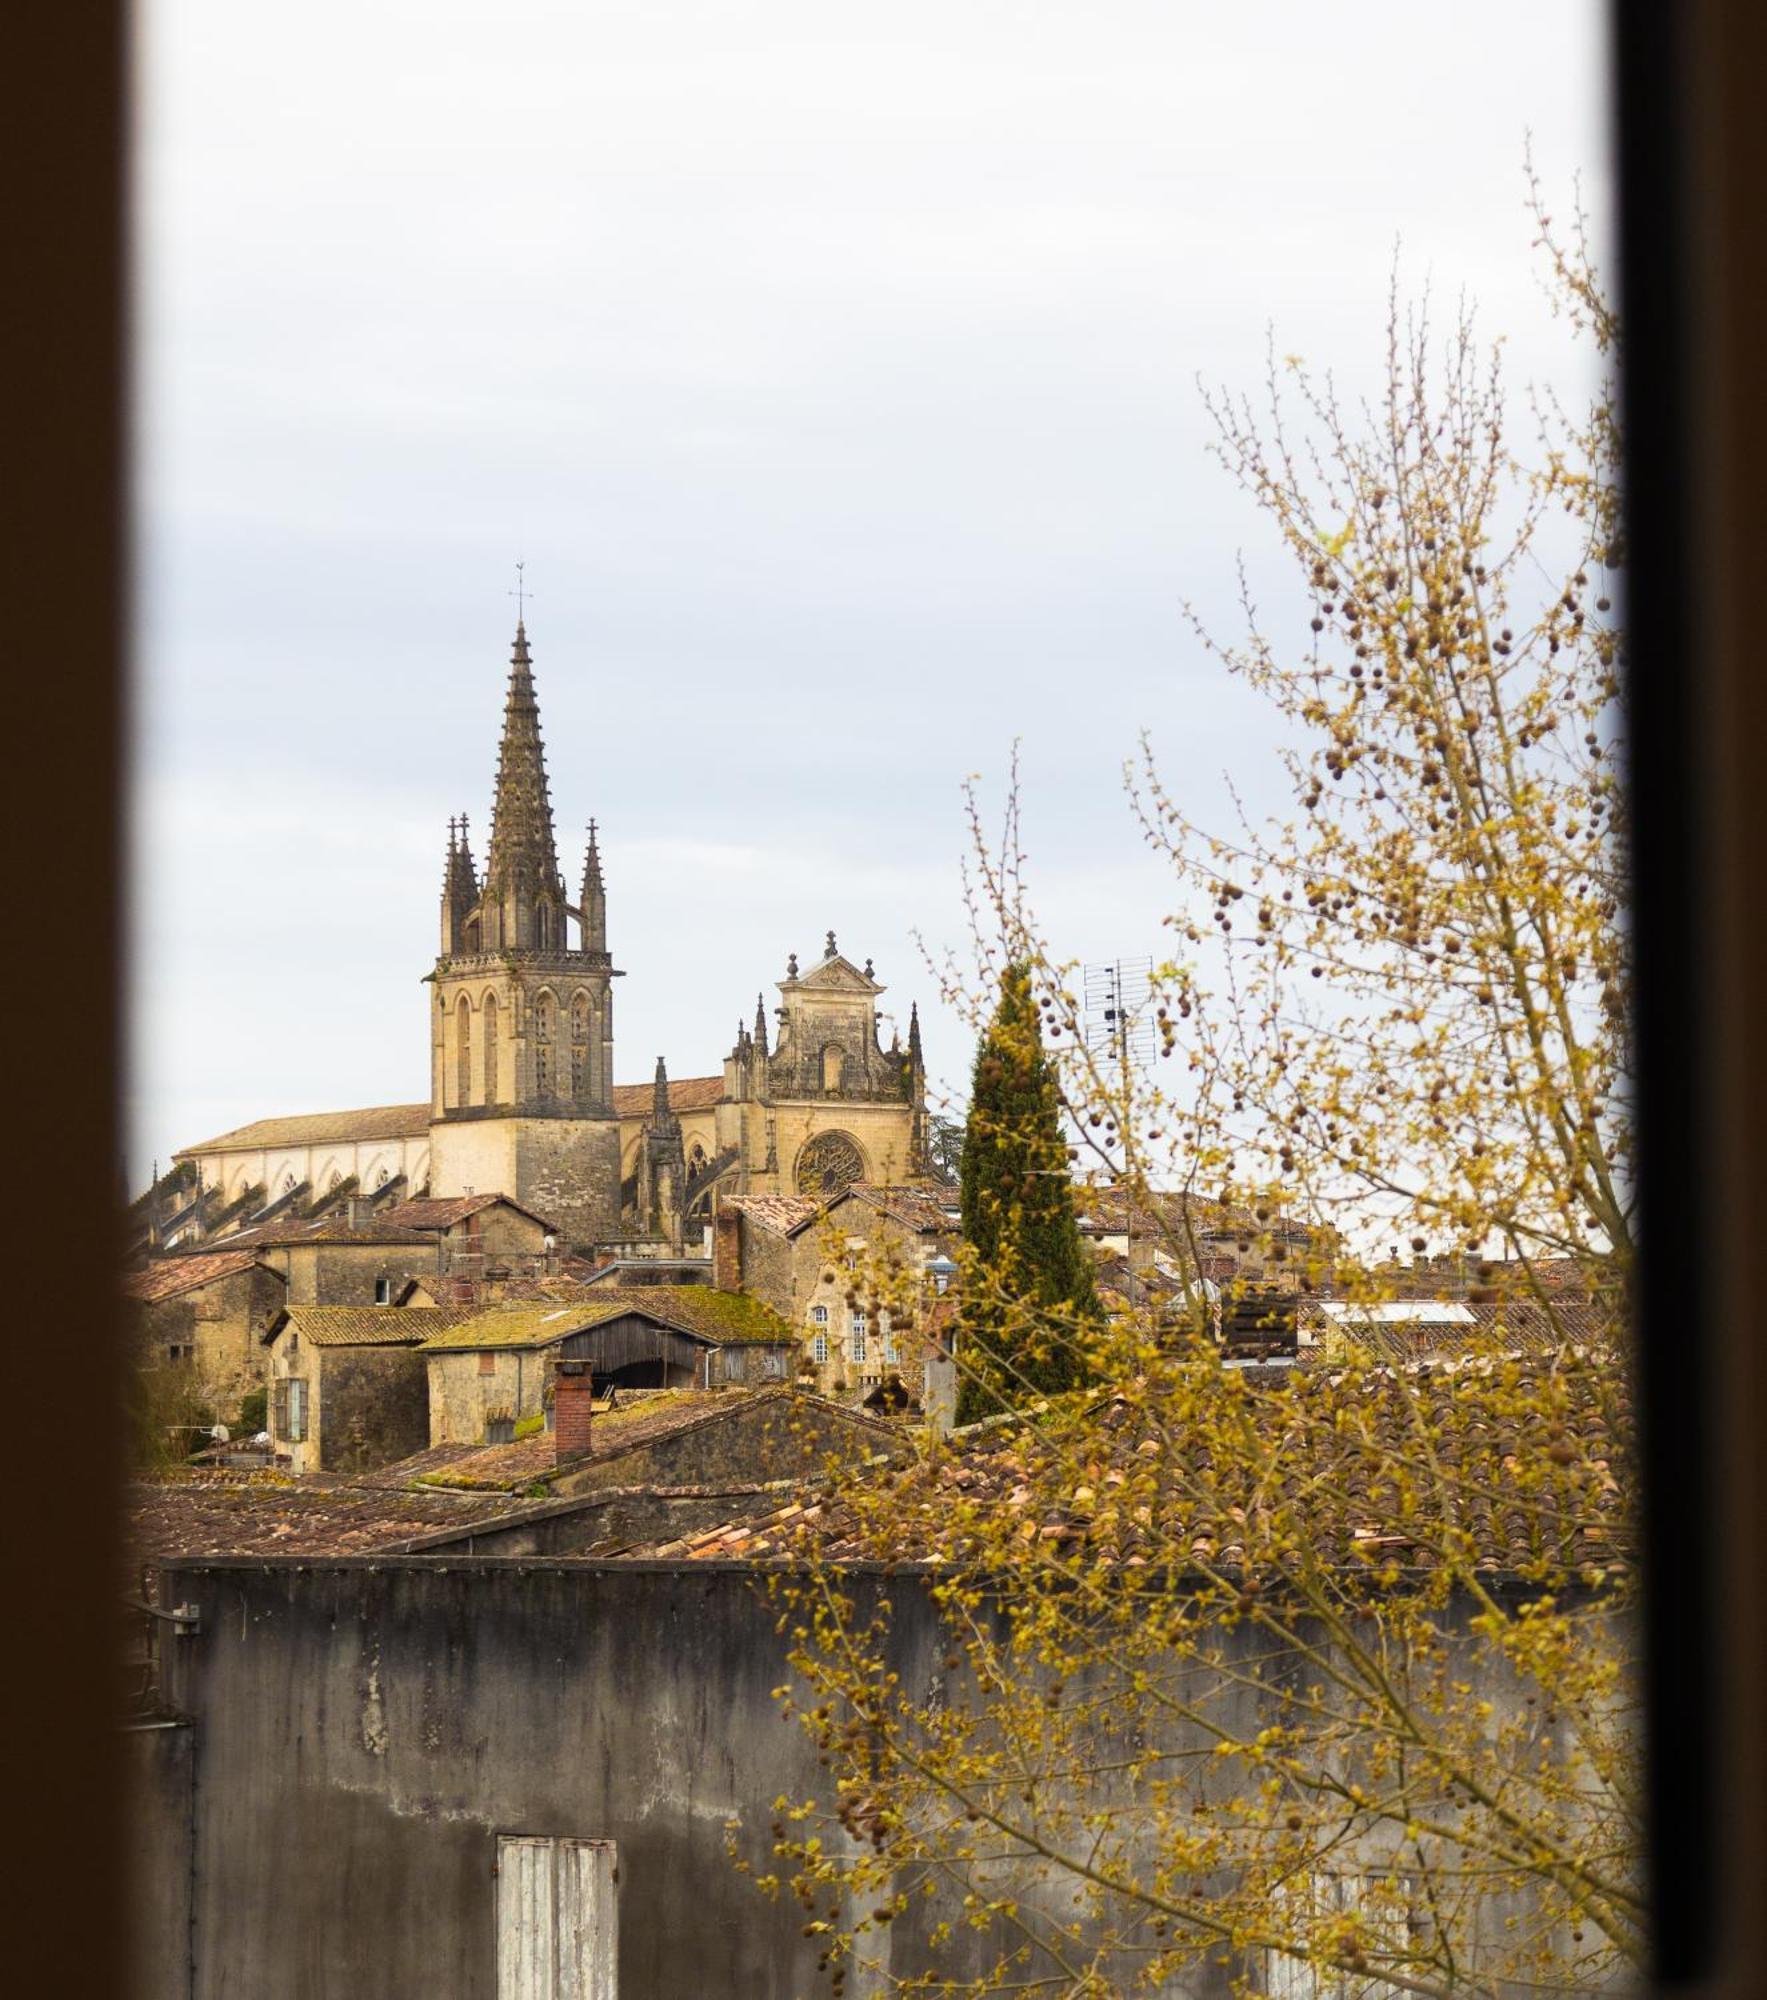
column 832, row 367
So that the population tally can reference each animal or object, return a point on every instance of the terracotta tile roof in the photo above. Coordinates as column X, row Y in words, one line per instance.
column 722, row 1318
column 785, row 1213
column 1484, row 1416
column 444, row 1211
column 634, row 1420
column 490, row 1468
column 253, row 1513
column 365, row 1326
column 1108, row 1211
column 686, row 1093
column 168, row 1276
column 1418, row 1329
column 923, row 1210
column 316, row 1128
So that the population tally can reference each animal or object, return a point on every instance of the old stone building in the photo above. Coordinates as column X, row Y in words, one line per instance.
column 521, row 1047
column 207, row 1313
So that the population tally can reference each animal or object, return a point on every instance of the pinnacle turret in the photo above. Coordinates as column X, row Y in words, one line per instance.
column 594, row 898
column 761, row 1022
column 914, row 1054
column 662, row 1119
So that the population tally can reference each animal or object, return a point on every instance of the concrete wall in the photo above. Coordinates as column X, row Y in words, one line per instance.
column 157, row 1768
column 365, row 1729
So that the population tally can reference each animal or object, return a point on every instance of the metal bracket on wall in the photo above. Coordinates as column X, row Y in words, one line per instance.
column 185, row 1619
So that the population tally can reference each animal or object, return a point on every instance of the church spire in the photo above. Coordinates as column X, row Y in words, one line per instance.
column 594, row 898
column 523, row 861
column 914, row 1055
column 761, row 1022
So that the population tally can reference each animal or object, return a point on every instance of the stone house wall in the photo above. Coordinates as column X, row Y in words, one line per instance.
column 464, row 1389
column 375, row 1406
column 215, row 1330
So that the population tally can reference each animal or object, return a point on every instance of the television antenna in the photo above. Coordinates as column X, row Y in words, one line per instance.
column 1119, row 1019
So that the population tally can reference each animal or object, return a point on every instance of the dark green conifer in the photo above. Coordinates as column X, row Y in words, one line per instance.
column 1028, row 1297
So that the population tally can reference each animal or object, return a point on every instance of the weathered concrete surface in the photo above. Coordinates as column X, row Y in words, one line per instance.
column 157, row 1770
column 365, row 1729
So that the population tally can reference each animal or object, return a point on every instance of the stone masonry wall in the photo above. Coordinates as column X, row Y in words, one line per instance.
column 374, row 1406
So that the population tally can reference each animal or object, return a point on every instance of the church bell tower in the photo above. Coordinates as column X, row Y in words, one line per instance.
column 521, row 1017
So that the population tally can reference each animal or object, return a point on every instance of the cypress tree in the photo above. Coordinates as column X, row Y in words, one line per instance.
column 1028, row 1296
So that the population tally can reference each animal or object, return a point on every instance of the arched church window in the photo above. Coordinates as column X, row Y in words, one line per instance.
column 490, row 1045
column 580, row 1018
column 834, row 1061
column 463, row 1051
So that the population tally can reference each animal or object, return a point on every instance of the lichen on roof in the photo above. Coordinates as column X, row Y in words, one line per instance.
column 723, row 1319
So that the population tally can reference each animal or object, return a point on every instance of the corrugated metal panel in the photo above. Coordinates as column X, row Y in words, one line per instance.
column 588, row 1922
column 527, row 1954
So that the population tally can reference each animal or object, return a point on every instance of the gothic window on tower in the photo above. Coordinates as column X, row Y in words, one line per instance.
column 543, row 926
column 463, row 1051
column 579, row 1044
column 543, row 1046
column 490, row 1040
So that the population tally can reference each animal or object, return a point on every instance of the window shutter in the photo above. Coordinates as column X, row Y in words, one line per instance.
column 279, row 1408
column 557, row 1922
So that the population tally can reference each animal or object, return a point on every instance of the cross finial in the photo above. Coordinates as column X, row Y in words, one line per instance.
column 520, row 592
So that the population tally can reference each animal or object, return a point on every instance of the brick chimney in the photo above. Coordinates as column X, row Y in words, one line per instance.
column 573, row 1391
column 727, row 1250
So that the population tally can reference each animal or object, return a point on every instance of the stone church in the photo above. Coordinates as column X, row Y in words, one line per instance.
column 522, row 1094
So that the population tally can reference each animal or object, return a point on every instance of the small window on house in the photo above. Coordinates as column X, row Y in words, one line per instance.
column 892, row 1351
column 294, row 1344
column 819, row 1315
column 383, row 1291
column 858, row 1337
column 288, row 1411
column 557, row 1918
column 819, row 1349
column 487, row 1364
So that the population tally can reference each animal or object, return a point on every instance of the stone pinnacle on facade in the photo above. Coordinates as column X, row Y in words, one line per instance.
column 662, row 1119
column 594, row 897
column 761, row 1022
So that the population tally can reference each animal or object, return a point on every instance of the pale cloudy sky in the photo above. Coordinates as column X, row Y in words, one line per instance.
column 833, row 368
